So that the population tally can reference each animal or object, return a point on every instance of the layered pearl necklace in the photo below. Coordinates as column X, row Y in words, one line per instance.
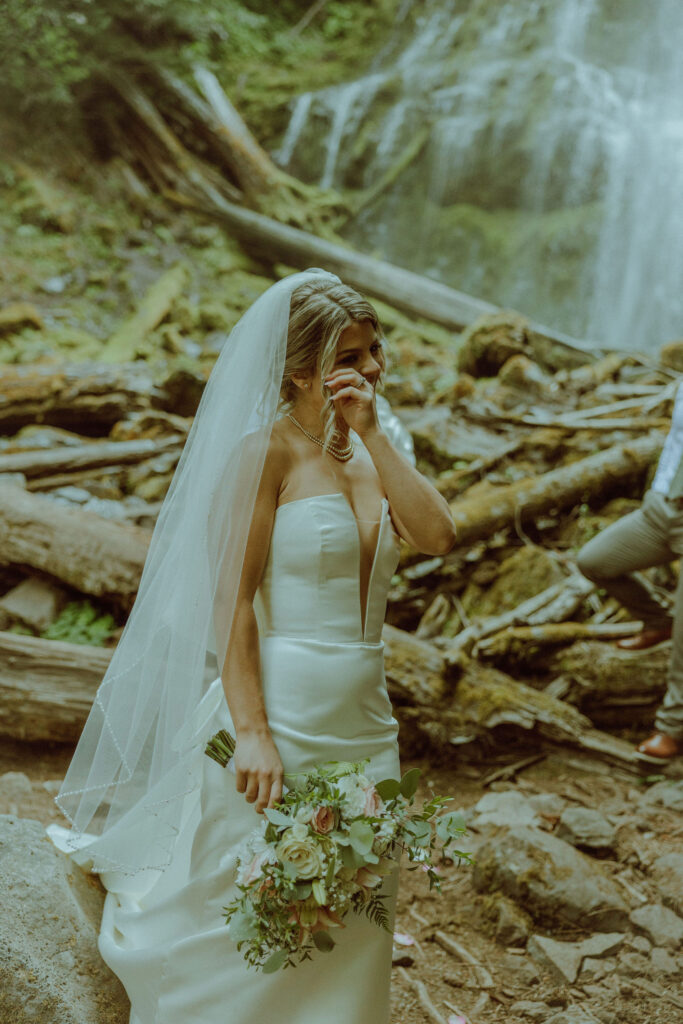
column 342, row 454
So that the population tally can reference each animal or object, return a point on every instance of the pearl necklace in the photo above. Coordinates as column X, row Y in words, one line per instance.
column 342, row 454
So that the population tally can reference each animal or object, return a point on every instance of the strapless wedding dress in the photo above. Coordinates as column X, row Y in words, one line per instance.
column 325, row 694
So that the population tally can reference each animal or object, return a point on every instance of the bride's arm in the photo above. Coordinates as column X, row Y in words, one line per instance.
column 421, row 514
column 257, row 762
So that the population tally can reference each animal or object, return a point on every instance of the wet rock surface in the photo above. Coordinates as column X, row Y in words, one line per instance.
column 50, row 967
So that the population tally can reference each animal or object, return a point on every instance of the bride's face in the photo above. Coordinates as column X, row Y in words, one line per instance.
column 357, row 349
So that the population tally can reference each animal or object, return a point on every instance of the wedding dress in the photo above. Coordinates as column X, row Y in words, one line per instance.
column 325, row 693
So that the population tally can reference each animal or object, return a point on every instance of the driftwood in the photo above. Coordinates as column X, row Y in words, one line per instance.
column 492, row 508
column 74, row 395
column 111, row 454
column 47, row 686
column 92, row 554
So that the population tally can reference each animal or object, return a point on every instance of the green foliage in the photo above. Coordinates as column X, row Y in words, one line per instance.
column 80, row 623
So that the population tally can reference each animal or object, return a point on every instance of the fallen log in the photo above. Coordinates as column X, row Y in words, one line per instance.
column 403, row 289
column 95, row 555
column 113, row 454
column 47, row 686
column 490, row 508
column 513, row 644
column 467, row 709
column 601, row 679
column 89, row 397
column 553, row 604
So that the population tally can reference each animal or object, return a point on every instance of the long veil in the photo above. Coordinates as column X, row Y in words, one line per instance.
column 125, row 792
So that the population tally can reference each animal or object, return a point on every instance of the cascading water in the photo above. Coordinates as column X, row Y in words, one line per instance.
column 538, row 150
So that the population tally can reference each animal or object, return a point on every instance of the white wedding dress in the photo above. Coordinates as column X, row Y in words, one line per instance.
column 325, row 693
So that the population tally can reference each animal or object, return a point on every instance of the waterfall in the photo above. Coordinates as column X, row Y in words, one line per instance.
column 553, row 171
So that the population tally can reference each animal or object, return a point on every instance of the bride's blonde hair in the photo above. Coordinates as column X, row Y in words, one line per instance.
column 319, row 311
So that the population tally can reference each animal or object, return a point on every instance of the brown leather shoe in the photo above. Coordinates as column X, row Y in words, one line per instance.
column 660, row 745
column 646, row 638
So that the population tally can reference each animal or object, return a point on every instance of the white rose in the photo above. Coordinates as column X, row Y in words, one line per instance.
column 300, row 852
column 353, row 796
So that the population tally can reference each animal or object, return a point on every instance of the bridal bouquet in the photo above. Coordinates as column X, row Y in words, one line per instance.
column 325, row 850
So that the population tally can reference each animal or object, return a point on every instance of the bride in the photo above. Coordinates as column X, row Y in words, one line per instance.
column 274, row 551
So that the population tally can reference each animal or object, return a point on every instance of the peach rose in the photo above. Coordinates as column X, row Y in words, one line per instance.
column 368, row 879
column 373, row 803
column 322, row 820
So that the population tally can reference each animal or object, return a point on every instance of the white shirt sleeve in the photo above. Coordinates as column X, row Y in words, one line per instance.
column 673, row 448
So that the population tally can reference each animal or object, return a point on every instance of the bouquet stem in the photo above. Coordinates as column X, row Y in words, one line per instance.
column 221, row 747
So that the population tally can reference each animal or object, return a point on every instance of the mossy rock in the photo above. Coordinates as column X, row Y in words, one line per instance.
column 490, row 341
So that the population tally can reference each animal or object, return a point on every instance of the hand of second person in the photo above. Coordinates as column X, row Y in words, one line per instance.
column 258, row 769
column 354, row 405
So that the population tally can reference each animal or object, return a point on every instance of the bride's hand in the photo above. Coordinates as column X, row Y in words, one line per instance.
column 258, row 769
column 354, row 403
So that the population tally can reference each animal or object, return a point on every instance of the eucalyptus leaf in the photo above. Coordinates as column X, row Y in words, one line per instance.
column 275, row 961
column 388, row 789
column 277, row 817
column 409, row 783
column 324, row 941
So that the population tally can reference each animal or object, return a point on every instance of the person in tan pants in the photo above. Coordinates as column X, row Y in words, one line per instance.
column 652, row 535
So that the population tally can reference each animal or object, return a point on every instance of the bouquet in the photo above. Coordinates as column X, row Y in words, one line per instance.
column 325, row 850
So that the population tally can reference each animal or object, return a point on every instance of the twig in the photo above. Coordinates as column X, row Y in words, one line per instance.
column 423, row 996
column 484, row 979
column 509, row 771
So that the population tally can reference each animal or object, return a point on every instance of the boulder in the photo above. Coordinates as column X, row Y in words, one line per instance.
column 661, row 925
column 586, row 828
column 550, row 879
column 50, row 966
column 663, row 962
column 667, row 871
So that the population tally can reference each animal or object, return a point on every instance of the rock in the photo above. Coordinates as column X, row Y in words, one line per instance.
column 663, row 962
column 512, row 926
column 586, row 828
column 550, row 879
column 667, row 872
column 633, row 965
column 593, row 969
column 664, row 794
column 564, row 959
column 571, row 1015
column 561, row 959
column 660, row 925
column 522, row 968
column 530, row 1010
column 34, row 602
column 507, row 808
column 50, row 966
column 548, row 805
column 640, row 944
column 15, row 786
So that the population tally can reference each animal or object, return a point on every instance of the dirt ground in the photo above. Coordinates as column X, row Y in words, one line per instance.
column 621, row 997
